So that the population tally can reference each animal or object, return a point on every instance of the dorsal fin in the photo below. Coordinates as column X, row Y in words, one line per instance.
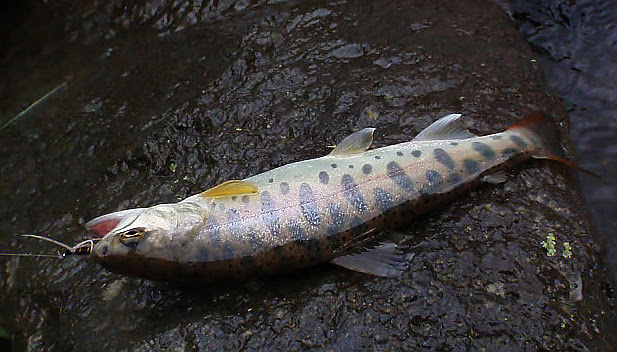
column 231, row 188
column 356, row 142
column 447, row 127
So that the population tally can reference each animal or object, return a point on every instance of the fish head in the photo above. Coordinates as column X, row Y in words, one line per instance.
column 148, row 235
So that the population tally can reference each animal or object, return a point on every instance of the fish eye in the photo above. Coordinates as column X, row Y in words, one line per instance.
column 131, row 237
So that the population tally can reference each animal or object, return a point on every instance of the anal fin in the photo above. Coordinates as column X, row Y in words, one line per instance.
column 384, row 260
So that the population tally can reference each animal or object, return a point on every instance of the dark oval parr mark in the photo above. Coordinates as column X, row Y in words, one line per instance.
column 352, row 193
column 398, row 176
column 471, row 166
column 308, row 205
column 443, row 158
column 484, row 149
column 518, row 141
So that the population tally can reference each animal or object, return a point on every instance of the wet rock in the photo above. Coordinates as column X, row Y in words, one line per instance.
column 195, row 93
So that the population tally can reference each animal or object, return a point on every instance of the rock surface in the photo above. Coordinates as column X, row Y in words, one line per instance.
column 168, row 99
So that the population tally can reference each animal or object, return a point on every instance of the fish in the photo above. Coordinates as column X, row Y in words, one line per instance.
column 335, row 208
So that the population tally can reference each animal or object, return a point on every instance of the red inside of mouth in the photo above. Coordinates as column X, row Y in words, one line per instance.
column 102, row 228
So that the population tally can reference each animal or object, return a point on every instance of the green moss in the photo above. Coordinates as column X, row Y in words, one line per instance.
column 549, row 244
column 567, row 250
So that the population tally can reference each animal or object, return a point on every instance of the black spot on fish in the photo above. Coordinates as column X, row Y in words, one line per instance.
column 471, row 166
column 245, row 199
column 324, row 177
column 416, row 153
column 434, row 179
column 352, row 193
column 271, row 180
column 518, row 141
column 351, row 166
column 496, row 137
column 454, row 143
column 383, row 199
column 377, row 157
column 399, row 153
column 234, row 197
column 183, row 241
column 284, row 187
column 483, row 148
column 269, row 213
column 366, row 168
column 296, row 232
column 334, row 166
column 308, row 205
column 509, row 151
column 443, row 157
column 398, row 176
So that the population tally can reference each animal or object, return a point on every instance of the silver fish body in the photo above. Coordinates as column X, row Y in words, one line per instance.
column 312, row 211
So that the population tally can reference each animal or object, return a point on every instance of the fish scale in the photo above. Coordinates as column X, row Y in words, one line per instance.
column 317, row 210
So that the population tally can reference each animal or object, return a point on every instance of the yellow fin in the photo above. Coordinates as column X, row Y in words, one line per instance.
column 231, row 188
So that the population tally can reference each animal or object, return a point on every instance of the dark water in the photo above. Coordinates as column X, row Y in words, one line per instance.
column 577, row 46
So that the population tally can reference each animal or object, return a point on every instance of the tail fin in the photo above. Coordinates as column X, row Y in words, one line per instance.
column 545, row 128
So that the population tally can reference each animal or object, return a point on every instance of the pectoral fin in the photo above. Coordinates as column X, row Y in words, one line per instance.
column 231, row 188
column 385, row 260
column 356, row 142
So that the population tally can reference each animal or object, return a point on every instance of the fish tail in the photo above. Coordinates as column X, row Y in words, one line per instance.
column 544, row 127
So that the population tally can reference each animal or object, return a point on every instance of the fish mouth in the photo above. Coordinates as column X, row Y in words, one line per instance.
column 101, row 250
